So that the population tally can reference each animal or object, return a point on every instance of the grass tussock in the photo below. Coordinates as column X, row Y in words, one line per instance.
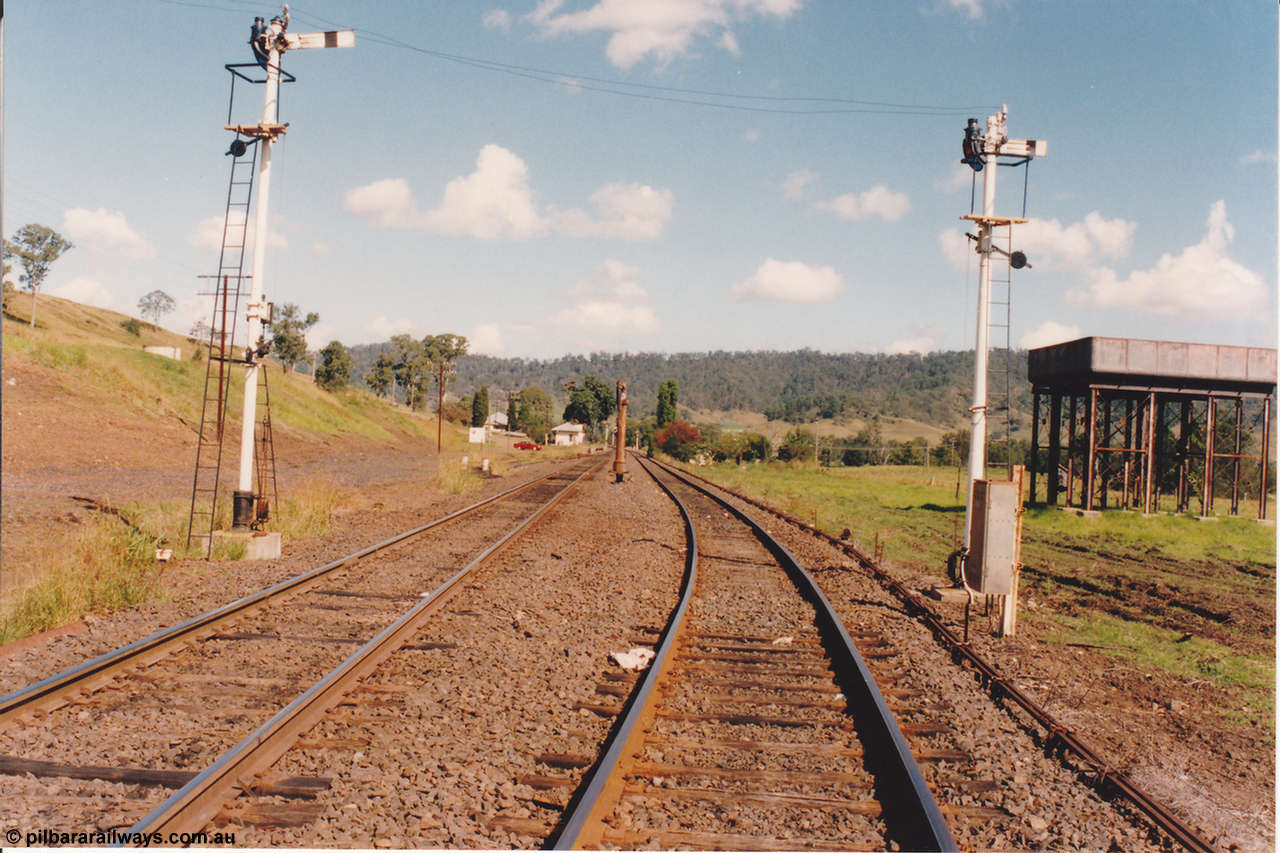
column 454, row 478
column 106, row 566
column 1193, row 659
column 111, row 562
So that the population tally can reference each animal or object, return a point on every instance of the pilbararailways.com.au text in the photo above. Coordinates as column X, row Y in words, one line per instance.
column 112, row 837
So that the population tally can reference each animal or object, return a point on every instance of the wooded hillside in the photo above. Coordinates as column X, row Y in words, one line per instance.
column 798, row 386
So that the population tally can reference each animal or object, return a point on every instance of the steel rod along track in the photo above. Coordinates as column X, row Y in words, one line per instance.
column 1059, row 738
column 905, row 801
column 52, row 691
column 193, row 805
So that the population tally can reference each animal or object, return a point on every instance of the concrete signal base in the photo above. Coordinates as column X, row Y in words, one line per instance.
column 257, row 545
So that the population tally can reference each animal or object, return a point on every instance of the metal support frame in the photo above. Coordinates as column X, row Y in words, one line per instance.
column 1126, row 435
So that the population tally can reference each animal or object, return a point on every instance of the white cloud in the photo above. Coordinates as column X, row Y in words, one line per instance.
column 798, row 183
column 789, row 281
column 86, row 290
column 628, row 211
column 496, row 19
column 1201, row 280
column 492, row 202
column 598, row 316
column 208, row 235
column 956, row 248
column 485, row 339
column 902, row 346
column 319, row 336
column 878, row 201
column 611, row 300
column 657, row 29
column 961, row 178
column 388, row 203
column 1049, row 243
column 1048, row 333
column 1259, row 155
column 495, row 202
column 971, row 8
column 105, row 229
column 382, row 328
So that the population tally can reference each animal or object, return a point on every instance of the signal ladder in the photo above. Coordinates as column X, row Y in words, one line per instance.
column 1000, row 366
column 206, row 481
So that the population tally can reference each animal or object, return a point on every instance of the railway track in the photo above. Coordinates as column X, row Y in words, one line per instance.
column 757, row 725
column 134, row 723
column 1057, row 739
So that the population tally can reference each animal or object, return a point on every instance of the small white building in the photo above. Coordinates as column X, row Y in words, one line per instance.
column 568, row 434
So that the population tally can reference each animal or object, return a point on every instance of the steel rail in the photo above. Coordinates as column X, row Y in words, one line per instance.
column 49, row 692
column 192, row 806
column 583, row 822
column 917, row 813
column 1058, row 737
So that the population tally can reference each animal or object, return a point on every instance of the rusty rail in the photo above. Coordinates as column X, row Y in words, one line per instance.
column 918, row 814
column 193, row 805
column 1059, row 738
column 49, row 693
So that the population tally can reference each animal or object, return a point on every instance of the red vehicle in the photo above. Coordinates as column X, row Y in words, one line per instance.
column 526, row 445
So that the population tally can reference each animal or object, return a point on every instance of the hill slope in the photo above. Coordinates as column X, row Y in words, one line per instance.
column 798, row 386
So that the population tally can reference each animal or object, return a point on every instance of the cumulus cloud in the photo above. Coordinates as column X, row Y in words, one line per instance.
column 1201, row 280
column 1049, row 243
column 878, row 201
column 798, row 183
column 319, row 336
column 600, row 316
column 86, row 290
column 789, row 281
column 658, row 29
column 610, row 300
column 495, row 201
column 903, row 346
column 486, row 339
column 208, row 234
column 628, row 211
column 105, row 229
column 971, row 8
column 496, row 19
column 961, row 178
column 956, row 248
column 1048, row 333
column 383, row 328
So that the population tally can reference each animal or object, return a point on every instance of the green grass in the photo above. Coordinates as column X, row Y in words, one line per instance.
column 111, row 562
column 1167, row 593
column 1191, row 659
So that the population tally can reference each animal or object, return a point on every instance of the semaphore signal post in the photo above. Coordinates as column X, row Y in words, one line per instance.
column 269, row 42
column 983, row 152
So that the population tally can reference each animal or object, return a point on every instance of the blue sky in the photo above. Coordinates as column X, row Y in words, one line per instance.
column 417, row 193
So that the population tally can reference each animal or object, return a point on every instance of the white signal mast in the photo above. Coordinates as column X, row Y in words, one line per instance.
column 982, row 153
column 269, row 42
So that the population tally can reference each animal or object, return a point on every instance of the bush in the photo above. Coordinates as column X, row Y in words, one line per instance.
column 797, row 446
column 679, row 439
column 133, row 326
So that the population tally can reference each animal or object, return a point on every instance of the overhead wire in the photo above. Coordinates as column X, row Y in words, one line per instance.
column 647, row 91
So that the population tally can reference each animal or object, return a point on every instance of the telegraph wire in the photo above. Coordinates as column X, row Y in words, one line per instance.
column 586, row 82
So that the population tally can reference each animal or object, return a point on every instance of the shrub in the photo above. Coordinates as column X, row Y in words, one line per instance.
column 133, row 326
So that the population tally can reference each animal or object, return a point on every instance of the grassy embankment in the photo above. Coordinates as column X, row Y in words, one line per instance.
column 1186, row 597
column 90, row 362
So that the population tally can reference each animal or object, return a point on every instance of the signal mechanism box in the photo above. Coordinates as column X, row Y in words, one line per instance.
column 993, row 537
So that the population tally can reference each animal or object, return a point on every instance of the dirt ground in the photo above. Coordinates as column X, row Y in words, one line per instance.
column 1170, row 736
column 1184, row 742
